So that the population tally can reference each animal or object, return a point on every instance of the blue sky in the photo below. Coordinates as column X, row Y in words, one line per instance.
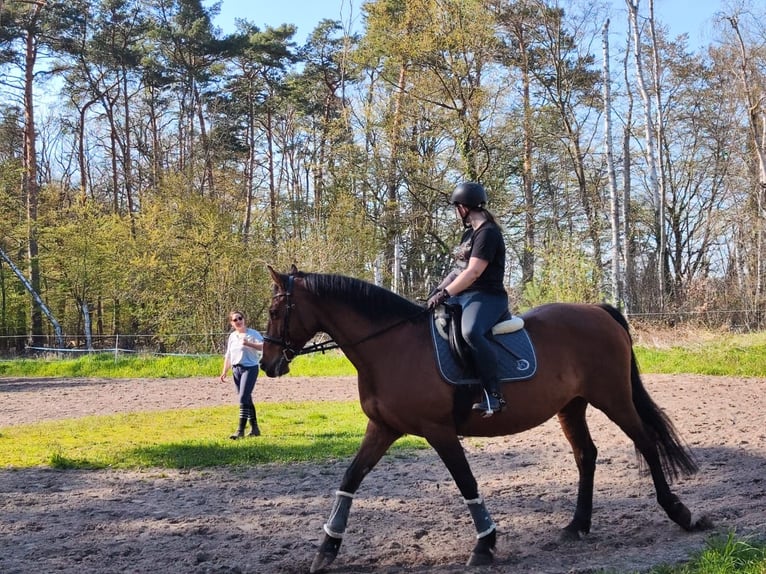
column 693, row 17
column 305, row 14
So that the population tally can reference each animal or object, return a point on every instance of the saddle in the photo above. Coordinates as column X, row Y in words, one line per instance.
column 516, row 356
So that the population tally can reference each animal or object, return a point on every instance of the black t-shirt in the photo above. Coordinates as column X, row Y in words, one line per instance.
column 486, row 243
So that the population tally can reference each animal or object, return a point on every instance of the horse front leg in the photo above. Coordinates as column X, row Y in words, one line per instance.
column 377, row 440
column 448, row 447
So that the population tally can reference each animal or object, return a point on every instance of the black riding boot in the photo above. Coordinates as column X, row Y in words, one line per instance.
column 492, row 401
column 254, row 430
column 242, row 422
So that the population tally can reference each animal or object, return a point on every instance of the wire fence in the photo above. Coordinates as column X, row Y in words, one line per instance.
column 177, row 344
column 733, row 320
column 213, row 343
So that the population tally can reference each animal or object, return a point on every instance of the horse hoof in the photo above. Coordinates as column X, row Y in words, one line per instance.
column 569, row 535
column 702, row 523
column 326, row 554
column 480, row 559
column 321, row 561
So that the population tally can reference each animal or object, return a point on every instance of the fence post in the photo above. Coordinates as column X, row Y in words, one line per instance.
column 116, row 346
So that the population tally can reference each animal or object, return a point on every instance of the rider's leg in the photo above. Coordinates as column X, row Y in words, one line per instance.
column 480, row 312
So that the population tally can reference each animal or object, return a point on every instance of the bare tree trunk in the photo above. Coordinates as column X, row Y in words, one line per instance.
column 81, row 151
column 630, row 273
column 127, row 161
column 207, row 159
column 113, row 146
column 249, row 168
column 274, row 219
column 391, row 225
column 528, row 255
column 662, row 263
column 651, row 154
column 87, row 328
column 31, row 190
column 615, row 204
column 157, row 162
column 755, row 116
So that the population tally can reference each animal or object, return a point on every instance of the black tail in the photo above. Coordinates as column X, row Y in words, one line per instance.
column 675, row 457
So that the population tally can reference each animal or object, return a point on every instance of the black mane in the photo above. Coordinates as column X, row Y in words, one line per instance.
column 363, row 297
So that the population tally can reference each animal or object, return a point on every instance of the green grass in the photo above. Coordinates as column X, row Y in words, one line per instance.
column 733, row 355
column 728, row 555
column 191, row 438
column 106, row 365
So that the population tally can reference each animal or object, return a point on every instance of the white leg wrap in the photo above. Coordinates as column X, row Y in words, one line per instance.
column 336, row 524
column 481, row 518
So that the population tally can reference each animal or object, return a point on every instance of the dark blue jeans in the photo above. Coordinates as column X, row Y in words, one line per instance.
column 480, row 313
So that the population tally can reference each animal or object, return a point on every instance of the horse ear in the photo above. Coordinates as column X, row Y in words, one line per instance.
column 293, row 269
column 275, row 277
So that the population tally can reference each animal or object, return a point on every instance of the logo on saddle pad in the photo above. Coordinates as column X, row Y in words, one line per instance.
column 516, row 359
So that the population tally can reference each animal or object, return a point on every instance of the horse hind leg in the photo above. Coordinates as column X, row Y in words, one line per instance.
column 573, row 423
column 669, row 501
column 659, row 446
column 376, row 442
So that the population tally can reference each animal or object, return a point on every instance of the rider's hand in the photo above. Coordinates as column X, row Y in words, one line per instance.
column 437, row 298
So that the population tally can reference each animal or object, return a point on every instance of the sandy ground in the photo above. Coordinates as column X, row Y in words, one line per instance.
column 407, row 517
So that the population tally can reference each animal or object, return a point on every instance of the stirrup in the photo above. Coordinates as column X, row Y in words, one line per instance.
column 491, row 403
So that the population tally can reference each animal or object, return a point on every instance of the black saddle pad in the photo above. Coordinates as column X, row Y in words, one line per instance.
column 517, row 365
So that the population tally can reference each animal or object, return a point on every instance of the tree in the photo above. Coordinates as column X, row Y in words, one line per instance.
column 752, row 81
column 258, row 89
column 614, row 212
column 319, row 92
column 650, row 132
column 32, row 26
column 189, row 50
column 570, row 84
column 518, row 21
column 433, row 60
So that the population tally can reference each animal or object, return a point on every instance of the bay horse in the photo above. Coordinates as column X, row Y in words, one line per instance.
column 585, row 356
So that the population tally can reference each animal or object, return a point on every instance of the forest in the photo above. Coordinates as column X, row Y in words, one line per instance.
column 151, row 165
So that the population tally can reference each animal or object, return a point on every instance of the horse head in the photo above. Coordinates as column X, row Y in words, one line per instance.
column 285, row 333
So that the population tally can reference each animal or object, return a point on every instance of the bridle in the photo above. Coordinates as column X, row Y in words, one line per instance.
column 289, row 351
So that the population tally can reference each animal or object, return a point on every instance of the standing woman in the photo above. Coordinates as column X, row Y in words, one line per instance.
column 476, row 283
column 243, row 355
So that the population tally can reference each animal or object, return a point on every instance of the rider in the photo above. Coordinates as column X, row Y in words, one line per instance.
column 476, row 283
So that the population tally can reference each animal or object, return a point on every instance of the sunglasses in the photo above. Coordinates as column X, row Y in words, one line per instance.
column 236, row 319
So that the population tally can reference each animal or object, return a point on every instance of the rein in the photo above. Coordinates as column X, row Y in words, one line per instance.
column 322, row 346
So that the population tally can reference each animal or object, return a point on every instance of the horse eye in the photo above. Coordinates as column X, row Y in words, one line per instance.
column 273, row 313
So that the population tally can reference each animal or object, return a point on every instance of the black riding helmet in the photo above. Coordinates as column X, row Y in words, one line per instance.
column 469, row 193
